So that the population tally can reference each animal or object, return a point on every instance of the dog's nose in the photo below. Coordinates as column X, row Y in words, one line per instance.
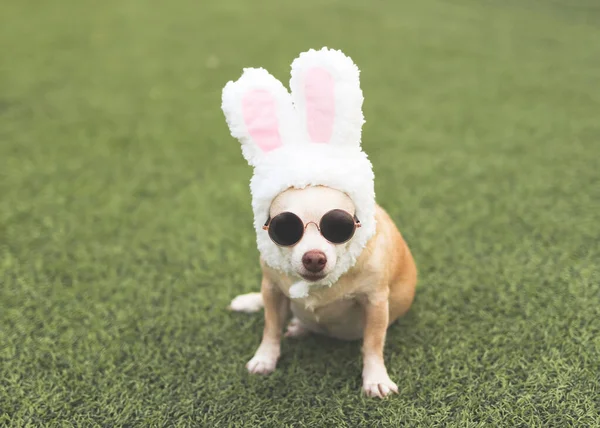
column 314, row 261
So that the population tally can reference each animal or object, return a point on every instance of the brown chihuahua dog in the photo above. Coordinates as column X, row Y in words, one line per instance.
column 363, row 302
column 328, row 252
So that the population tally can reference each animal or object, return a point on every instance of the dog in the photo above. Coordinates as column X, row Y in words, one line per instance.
column 329, row 253
column 379, row 289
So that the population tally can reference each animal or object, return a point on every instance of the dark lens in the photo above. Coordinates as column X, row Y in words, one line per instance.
column 286, row 229
column 337, row 226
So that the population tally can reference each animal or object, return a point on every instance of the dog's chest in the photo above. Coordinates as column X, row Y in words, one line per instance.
column 335, row 311
column 322, row 303
column 329, row 312
column 342, row 318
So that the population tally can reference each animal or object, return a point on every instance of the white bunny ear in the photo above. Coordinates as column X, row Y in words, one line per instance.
column 259, row 112
column 327, row 96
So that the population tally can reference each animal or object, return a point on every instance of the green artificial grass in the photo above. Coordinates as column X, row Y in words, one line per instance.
column 126, row 227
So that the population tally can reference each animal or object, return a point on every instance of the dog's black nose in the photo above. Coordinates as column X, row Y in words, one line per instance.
column 314, row 261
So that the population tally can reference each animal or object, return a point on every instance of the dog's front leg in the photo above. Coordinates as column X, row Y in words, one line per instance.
column 276, row 312
column 376, row 382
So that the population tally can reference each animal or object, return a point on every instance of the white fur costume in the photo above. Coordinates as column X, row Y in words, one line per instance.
column 311, row 137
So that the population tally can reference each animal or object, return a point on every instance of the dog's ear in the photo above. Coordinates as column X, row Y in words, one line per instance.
column 327, row 96
column 259, row 112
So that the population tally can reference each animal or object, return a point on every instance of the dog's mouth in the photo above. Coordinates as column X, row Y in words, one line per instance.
column 313, row 277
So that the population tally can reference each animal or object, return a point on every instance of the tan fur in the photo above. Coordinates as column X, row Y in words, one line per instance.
column 361, row 304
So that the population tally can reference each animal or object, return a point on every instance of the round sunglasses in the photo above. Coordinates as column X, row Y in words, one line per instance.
column 336, row 226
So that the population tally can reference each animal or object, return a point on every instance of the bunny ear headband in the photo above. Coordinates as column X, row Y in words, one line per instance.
column 311, row 137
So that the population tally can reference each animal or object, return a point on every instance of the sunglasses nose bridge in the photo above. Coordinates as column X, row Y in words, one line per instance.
column 312, row 222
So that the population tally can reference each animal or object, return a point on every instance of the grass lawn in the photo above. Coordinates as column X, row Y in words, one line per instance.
column 126, row 227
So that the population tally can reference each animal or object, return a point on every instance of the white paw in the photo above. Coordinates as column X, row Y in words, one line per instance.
column 295, row 329
column 251, row 302
column 377, row 383
column 262, row 364
column 381, row 389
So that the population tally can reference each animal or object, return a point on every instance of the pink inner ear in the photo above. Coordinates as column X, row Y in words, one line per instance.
column 319, row 89
column 259, row 108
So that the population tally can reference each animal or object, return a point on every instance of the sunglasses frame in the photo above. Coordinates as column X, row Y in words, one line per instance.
column 357, row 224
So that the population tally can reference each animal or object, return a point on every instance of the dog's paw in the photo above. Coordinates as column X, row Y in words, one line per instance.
column 296, row 329
column 381, row 389
column 378, row 384
column 262, row 364
column 251, row 302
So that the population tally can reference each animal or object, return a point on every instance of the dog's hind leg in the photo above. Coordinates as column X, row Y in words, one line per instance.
column 251, row 302
column 296, row 329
